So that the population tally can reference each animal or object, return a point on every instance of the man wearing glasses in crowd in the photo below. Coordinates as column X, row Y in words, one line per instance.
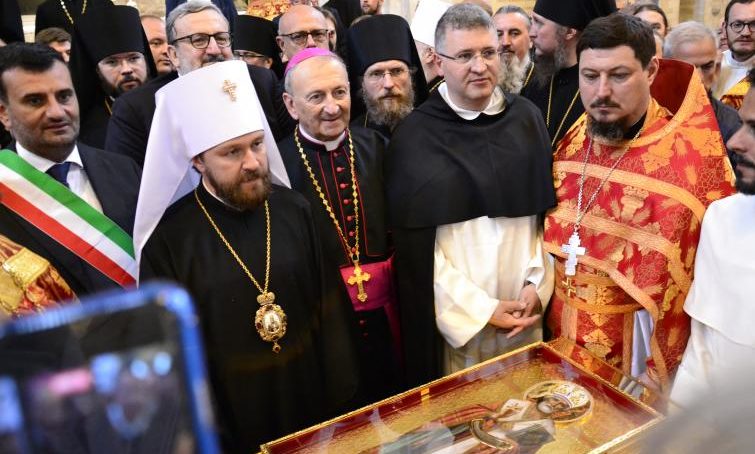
column 300, row 27
column 471, row 269
column 739, row 25
column 198, row 36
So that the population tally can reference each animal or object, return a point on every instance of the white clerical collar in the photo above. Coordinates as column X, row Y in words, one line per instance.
column 495, row 106
column 330, row 145
column 43, row 164
column 747, row 64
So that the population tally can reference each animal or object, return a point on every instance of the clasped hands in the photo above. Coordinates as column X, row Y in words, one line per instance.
column 519, row 314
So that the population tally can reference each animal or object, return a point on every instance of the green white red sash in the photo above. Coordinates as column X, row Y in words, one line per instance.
column 66, row 218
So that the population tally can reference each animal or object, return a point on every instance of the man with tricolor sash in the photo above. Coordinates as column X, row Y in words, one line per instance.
column 633, row 179
column 67, row 202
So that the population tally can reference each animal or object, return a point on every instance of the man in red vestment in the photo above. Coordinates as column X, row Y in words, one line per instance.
column 633, row 178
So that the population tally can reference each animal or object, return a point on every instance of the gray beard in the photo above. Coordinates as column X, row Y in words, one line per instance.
column 512, row 74
column 390, row 115
column 612, row 131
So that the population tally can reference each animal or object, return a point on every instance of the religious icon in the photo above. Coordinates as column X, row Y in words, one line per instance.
column 518, row 426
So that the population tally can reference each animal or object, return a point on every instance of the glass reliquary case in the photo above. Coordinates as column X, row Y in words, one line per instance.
column 544, row 398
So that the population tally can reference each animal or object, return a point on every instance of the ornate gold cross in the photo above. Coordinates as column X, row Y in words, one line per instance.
column 569, row 287
column 359, row 278
column 230, row 88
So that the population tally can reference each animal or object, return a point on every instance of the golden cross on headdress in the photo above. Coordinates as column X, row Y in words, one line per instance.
column 230, row 88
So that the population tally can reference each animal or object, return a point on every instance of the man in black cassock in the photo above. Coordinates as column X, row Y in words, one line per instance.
column 322, row 136
column 254, row 42
column 234, row 240
column 468, row 175
column 385, row 72
column 109, row 56
column 129, row 126
column 556, row 27
column 64, row 13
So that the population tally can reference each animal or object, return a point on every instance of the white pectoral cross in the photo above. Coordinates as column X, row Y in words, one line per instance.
column 573, row 250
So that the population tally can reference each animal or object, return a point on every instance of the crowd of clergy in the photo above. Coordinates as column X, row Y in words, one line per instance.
column 359, row 205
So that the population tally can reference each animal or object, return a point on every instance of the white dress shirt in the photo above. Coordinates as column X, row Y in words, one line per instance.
column 732, row 72
column 77, row 179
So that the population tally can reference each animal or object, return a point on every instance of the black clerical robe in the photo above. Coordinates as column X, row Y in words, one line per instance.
column 440, row 170
column 378, row 345
column 94, row 124
column 365, row 121
column 565, row 106
column 51, row 14
column 260, row 395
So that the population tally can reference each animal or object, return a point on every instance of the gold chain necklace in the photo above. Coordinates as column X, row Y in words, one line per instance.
column 563, row 119
column 529, row 76
column 359, row 277
column 270, row 320
column 68, row 15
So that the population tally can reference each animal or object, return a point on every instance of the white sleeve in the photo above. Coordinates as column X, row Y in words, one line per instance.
column 462, row 309
column 540, row 271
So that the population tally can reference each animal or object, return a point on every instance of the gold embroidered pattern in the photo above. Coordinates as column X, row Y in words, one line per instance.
column 649, row 184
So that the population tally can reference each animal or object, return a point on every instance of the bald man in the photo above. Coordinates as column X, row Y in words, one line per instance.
column 300, row 27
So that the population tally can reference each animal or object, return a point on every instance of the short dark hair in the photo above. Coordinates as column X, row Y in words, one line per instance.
column 731, row 3
column 34, row 58
column 619, row 30
column 461, row 16
column 640, row 7
column 52, row 35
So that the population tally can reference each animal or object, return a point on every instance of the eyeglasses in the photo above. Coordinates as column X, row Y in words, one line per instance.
column 377, row 76
column 247, row 54
column 202, row 40
column 300, row 38
column 465, row 58
column 738, row 26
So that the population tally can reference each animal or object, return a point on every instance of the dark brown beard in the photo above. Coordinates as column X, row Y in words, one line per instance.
column 612, row 130
column 233, row 195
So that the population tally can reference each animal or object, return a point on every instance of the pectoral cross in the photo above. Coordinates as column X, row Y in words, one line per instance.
column 573, row 250
column 359, row 278
column 230, row 88
column 569, row 287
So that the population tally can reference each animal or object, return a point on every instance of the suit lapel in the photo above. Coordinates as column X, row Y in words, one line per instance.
column 102, row 184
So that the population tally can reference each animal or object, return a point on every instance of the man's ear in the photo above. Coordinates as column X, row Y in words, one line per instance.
column 436, row 61
column 652, row 69
column 281, row 43
column 4, row 116
column 198, row 163
column 571, row 34
column 288, row 100
column 172, row 55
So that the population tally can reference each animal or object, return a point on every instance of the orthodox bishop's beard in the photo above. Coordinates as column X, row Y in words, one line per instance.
column 233, row 194
column 389, row 111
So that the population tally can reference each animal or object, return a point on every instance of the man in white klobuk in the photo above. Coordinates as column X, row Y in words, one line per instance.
column 246, row 250
column 720, row 301
column 423, row 25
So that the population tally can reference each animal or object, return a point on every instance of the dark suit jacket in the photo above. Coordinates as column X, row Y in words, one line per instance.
column 115, row 180
column 128, row 130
